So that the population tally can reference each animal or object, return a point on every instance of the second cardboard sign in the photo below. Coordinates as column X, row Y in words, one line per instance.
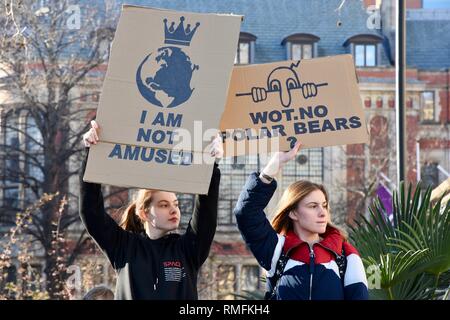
column 271, row 106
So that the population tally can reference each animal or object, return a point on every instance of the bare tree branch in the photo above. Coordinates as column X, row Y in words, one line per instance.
column 43, row 64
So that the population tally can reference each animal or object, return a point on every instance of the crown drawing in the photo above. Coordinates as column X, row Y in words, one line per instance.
column 179, row 36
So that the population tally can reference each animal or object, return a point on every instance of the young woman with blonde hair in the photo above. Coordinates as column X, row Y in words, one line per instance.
column 151, row 261
column 305, row 255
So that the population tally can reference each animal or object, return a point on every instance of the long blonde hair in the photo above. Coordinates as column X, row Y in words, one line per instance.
column 130, row 219
column 289, row 201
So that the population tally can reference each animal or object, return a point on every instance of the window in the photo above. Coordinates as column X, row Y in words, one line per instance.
column 427, row 106
column 11, row 132
column 9, row 277
column 34, row 160
column 249, row 278
column 235, row 171
column 245, row 49
column 11, row 274
column 308, row 165
column 365, row 49
column 238, row 162
column 12, row 146
column 104, row 48
column 226, row 284
column 243, row 53
column 430, row 174
column 32, row 278
column 11, row 197
column 237, row 278
column 98, row 274
column 11, row 162
column 34, row 144
column 365, row 55
column 302, row 51
column 186, row 205
column 301, row 46
column 104, row 37
column 22, row 161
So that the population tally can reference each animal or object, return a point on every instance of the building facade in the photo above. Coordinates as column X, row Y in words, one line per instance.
column 283, row 30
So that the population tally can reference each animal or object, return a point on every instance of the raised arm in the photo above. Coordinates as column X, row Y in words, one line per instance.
column 203, row 223
column 260, row 237
column 111, row 239
column 256, row 230
column 202, row 226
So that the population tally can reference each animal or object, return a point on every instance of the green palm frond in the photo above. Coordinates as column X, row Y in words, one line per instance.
column 394, row 268
column 415, row 288
column 412, row 252
column 427, row 229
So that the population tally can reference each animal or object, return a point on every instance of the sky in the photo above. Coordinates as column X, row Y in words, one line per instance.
column 431, row 4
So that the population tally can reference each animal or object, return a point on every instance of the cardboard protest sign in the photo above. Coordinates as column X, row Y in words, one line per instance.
column 168, row 75
column 271, row 106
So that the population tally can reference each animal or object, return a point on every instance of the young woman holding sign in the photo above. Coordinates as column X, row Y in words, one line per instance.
column 305, row 255
column 152, row 262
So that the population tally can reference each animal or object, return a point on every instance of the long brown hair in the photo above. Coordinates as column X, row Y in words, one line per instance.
column 130, row 218
column 289, row 201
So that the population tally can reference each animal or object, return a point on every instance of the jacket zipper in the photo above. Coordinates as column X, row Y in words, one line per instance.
column 311, row 269
column 325, row 247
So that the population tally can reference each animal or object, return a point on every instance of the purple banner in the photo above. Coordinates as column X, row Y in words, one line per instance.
column 385, row 198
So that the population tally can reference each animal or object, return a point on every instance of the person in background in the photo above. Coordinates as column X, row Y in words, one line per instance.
column 100, row 292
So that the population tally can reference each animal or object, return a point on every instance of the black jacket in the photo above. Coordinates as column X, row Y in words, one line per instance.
column 165, row 268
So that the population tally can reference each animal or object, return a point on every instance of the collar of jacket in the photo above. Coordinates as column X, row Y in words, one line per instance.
column 331, row 241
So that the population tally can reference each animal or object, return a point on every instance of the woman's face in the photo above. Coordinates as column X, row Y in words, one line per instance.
column 163, row 212
column 312, row 213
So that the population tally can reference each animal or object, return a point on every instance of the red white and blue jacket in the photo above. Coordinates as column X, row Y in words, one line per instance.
column 310, row 273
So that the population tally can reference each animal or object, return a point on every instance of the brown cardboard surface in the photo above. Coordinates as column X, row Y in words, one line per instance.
column 322, row 91
column 147, row 174
column 167, row 71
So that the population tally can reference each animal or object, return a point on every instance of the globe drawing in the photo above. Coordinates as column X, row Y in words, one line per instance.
column 165, row 79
